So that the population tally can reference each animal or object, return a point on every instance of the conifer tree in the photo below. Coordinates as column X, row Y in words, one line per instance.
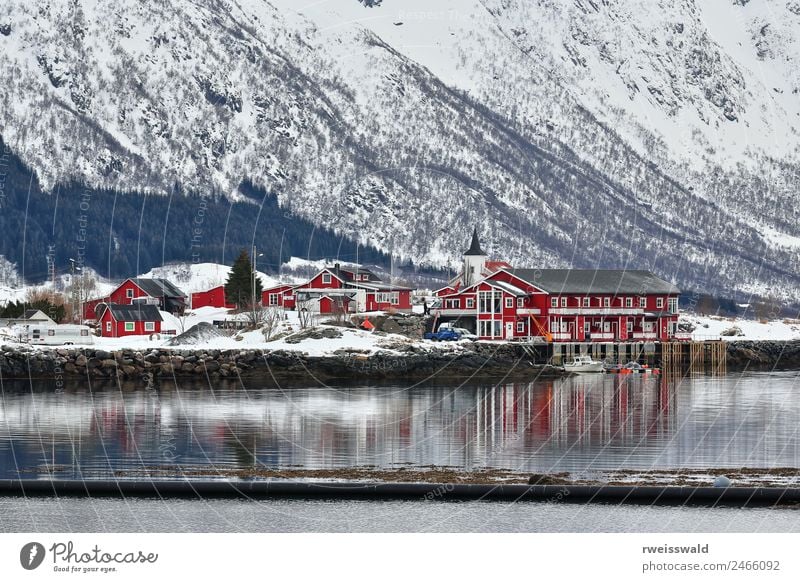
column 239, row 287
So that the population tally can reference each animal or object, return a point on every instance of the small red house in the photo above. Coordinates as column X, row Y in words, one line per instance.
column 212, row 298
column 124, row 320
column 158, row 292
column 339, row 288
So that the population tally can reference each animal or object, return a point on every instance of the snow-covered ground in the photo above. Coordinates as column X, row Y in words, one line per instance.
column 712, row 327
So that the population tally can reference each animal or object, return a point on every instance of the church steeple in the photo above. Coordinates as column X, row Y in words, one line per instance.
column 474, row 261
column 475, row 246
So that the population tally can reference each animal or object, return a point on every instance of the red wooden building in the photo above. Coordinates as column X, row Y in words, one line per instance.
column 212, row 298
column 338, row 288
column 124, row 320
column 159, row 292
column 560, row 305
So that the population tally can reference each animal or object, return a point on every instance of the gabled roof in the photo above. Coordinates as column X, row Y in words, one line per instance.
column 606, row 281
column 158, row 287
column 134, row 312
column 38, row 314
column 475, row 245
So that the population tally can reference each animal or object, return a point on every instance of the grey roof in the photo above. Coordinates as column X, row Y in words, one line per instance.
column 134, row 312
column 340, row 272
column 605, row 281
column 475, row 246
column 158, row 287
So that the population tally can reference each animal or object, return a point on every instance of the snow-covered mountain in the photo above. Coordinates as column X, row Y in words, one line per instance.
column 639, row 133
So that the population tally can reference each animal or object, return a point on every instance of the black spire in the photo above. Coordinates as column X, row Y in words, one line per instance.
column 475, row 246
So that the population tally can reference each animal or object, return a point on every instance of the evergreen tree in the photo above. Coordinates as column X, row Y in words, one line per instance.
column 239, row 287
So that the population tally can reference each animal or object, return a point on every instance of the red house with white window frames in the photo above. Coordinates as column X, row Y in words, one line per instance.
column 337, row 288
column 158, row 292
column 125, row 320
column 560, row 305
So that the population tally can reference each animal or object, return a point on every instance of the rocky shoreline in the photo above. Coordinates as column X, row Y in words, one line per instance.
column 763, row 355
column 479, row 361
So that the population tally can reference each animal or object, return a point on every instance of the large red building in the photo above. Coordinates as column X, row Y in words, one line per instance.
column 559, row 305
column 341, row 289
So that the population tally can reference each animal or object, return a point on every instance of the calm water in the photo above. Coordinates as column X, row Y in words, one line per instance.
column 577, row 424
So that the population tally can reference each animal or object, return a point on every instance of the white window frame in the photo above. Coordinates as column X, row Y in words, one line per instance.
column 587, row 301
column 273, row 299
column 563, row 302
column 149, row 325
column 129, row 293
column 131, row 324
column 672, row 304
column 642, row 302
column 587, row 326
column 326, row 278
column 659, row 303
column 554, row 302
column 629, row 325
column 520, row 302
column 470, row 301
column 606, row 327
column 395, row 298
column 108, row 327
column 520, row 327
column 509, row 302
column 606, row 301
column 629, row 302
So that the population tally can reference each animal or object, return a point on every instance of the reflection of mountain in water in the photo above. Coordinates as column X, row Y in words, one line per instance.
column 575, row 424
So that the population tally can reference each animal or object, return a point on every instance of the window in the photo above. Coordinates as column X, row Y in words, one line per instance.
column 149, row 326
column 554, row 327
column 470, row 303
column 451, row 303
column 520, row 302
column 395, row 298
column 84, row 332
column 384, row 297
column 520, row 327
column 129, row 293
column 629, row 302
column 606, row 326
column 489, row 301
column 563, row 302
column 606, row 301
column 129, row 326
column 273, row 298
column 326, row 278
column 629, row 326
column 509, row 302
column 108, row 326
column 673, row 304
column 586, row 301
column 554, row 302
column 659, row 303
column 642, row 302
column 489, row 328
column 587, row 326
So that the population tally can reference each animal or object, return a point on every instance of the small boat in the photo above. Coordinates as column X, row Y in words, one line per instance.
column 631, row 368
column 583, row 364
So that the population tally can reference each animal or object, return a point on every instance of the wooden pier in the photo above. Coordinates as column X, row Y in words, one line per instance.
column 685, row 357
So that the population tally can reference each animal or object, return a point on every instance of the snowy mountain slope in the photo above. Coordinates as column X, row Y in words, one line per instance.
column 587, row 133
